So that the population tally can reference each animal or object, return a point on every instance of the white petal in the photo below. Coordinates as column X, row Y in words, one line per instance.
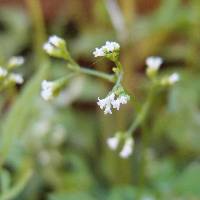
column 154, row 63
column 174, row 78
column 113, row 142
column 108, row 110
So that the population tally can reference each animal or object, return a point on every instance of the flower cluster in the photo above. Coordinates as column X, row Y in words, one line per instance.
column 110, row 102
column 7, row 77
column 55, row 46
column 47, row 90
column 108, row 48
column 127, row 149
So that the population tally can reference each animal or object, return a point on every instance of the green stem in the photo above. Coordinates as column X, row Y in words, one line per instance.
column 110, row 78
column 144, row 111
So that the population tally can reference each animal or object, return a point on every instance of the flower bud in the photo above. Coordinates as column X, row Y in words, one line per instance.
column 56, row 47
column 153, row 65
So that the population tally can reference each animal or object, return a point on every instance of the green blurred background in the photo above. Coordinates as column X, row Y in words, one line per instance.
column 57, row 150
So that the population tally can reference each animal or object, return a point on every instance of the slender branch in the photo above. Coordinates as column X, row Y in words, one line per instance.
column 110, row 78
column 144, row 111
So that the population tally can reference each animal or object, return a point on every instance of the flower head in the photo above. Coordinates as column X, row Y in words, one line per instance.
column 17, row 78
column 56, row 41
column 47, row 90
column 110, row 102
column 153, row 65
column 173, row 78
column 15, row 61
column 109, row 47
column 113, row 142
column 127, row 148
column 106, row 103
column 55, row 46
column 170, row 80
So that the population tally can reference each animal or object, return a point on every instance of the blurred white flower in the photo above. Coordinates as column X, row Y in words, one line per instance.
column 154, row 63
column 173, row 78
column 47, row 90
column 98, row 52
column 16, row 61
column 113, row 142
column 55, row 46
column 3, row 72
column 109, row 47
column 17, row 78
column 56, row 41
column 48, row 48
column 127, row 148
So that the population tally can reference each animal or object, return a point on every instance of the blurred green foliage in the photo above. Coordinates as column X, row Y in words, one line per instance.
column 57, row 150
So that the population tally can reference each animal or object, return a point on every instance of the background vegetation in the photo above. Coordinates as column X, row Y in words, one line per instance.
column 57, row 150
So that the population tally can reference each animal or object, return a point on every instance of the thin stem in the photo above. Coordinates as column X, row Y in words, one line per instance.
column 110, row 78
column 144, row 111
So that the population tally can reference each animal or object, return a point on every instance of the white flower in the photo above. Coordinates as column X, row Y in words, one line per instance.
column 113, row 142
column 123, row 99
column 47, row 90
column 3, row 72
column 116, row 103
column 16, row 61
column 56, row 41
column 106, row 103
column 110, row 102
column 48, row 48
column 109, row 47
column 154, row 63
column 54, row 46
column 127, row 148
column 173, row 78
column 98, row 52
column 17, row 78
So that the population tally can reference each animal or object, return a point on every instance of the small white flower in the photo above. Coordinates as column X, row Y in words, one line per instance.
column 172, row 79
column 123, row 99
column 109, row 47
column 3, row 72
column 154, row 63
column 47, row 90
column 106, row 103
column 48, row 48
column 17, row 78
column 127, row 148
column 16, row 61
column 113, row 142
column 98, row 52
column 116, row 103
column 54, row 46
column 56, row 41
